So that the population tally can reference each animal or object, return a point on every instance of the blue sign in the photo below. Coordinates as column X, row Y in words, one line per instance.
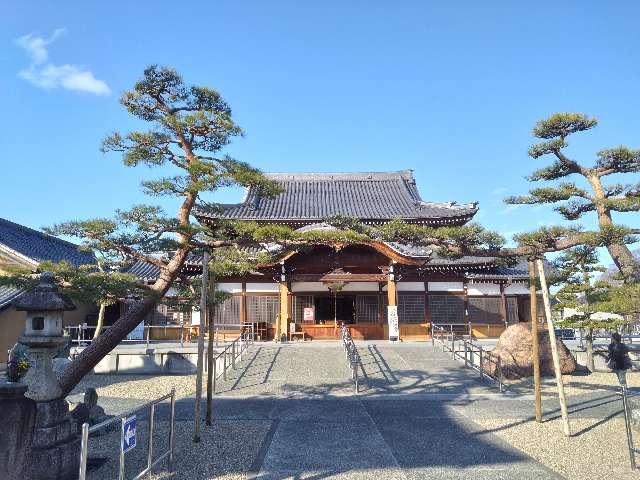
column 128, row 433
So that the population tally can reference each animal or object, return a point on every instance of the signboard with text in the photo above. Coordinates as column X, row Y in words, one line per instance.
column 309, row 315
column 392, row 319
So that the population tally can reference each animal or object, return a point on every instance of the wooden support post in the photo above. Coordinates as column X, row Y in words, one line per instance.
column 200, row 360
column 212, row 289
column 535, row 341
column 392, row 291
column 503, row 306
column 284, row 310
column 554, row 349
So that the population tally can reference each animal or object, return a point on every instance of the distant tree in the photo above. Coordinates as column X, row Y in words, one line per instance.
column 574, row 201
column 575, row 272
column 190, row 125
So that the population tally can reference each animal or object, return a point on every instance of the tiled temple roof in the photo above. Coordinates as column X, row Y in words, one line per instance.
column 373, row 197
column 39, row 246
column 7, row 295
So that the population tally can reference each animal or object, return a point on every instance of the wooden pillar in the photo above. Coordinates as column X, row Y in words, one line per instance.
column 503, row 305
column 243, row 304
column 284, row 309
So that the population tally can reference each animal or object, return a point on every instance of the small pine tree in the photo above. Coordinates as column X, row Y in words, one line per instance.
column 575, row 272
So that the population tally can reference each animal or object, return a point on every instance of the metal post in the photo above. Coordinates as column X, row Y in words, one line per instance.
column 233, row 355
column 224, row 362
column 499, row 373
column 121, row 469
column 84, row 445
column 466, row 349
column 215, row 374
column 172, row 434
column 150, row 443
column 453, row 345
column 632, row 455
column 355, row 371
column 148, row 333
column 480, row 353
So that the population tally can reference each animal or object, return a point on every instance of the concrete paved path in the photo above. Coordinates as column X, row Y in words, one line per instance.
column 407, row 423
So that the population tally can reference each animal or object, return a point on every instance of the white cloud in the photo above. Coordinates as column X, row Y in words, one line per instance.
column 45, row 74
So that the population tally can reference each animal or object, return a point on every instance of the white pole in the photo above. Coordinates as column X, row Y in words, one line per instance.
column 554, row 348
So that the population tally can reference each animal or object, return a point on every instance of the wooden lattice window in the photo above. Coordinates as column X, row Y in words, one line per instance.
column 484, row 309
column 228, row 312
column 512, row 310
column 446, row 309
column 263, row 308
column 411, row 307
column 300, row 302
column 169, row 315
column 367, row 309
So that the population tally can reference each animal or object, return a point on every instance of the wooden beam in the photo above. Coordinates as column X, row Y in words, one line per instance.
column 554, row 349
column 535, row 341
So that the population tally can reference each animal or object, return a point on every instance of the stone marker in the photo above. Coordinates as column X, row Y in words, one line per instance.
column 514, row 350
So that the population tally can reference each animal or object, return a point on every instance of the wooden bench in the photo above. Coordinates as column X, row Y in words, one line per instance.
column 297, row 335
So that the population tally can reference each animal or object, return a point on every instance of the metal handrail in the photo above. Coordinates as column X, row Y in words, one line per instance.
column 234, row 350
column 169, row 453
column 351, row 353
column 469, row 352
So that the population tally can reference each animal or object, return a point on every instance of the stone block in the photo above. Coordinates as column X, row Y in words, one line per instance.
column 51, row 413
column 17, row 416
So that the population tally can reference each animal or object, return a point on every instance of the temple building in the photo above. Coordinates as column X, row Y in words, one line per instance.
column 313, row 289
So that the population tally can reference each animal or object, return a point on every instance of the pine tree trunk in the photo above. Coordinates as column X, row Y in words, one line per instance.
column 620, row 253
column 100, row 322
column 590, row 362
column 101, row 346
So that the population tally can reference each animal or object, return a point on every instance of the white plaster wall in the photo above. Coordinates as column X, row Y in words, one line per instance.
column 410, row 286
column 263, row 287
column 477, row 289
column 516, row 289
column 229, row 287
column 308, row 287
column 446, row 287
column 361, row 287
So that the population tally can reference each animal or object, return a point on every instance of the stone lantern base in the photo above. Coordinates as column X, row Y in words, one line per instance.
column 17, row 416
column 55, row 451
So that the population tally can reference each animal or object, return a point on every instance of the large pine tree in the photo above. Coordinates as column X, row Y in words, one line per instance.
column 573, row 201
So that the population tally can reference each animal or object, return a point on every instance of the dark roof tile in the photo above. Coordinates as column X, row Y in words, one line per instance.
column 39, row 246
column 374, row 196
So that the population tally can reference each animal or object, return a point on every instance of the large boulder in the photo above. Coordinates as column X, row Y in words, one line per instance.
column 514, row 350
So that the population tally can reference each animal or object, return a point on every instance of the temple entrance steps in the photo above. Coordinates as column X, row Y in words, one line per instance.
column 413, row 419
column 319, row 368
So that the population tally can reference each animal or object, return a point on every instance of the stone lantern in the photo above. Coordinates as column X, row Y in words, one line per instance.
column 43, row 335
column 55, row 446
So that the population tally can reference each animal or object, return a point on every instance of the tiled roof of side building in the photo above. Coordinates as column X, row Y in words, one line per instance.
column 369, row 196
column 7, row 295
column 39, row 246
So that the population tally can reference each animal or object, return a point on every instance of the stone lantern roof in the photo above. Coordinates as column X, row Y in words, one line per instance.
column 45, row 297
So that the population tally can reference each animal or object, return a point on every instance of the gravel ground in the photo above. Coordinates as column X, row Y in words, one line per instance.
column 229, row 449
column 143, row 387
column 596, row 450
column 576, row 384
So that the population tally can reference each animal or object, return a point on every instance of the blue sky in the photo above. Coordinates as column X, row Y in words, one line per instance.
column 448, row 89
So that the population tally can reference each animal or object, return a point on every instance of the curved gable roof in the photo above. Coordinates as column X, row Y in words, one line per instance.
column 368, row 196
